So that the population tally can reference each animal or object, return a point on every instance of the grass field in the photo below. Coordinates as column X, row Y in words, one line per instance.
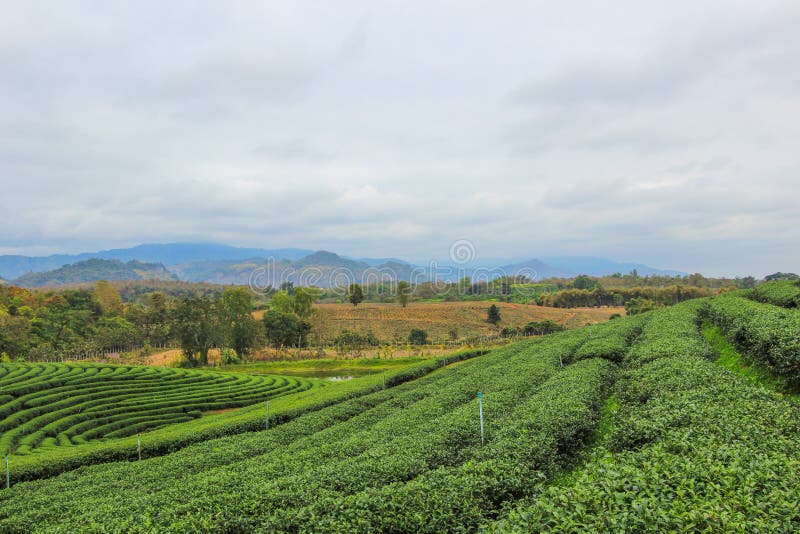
column 390, row 322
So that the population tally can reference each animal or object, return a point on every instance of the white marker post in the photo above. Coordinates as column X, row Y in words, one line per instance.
column 139, row 445
column 266, row 415
column 480, row 411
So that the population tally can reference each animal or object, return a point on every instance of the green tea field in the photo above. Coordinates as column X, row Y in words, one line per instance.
column 637, row 424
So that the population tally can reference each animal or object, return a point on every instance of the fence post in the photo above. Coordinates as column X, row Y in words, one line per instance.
column 480, row 411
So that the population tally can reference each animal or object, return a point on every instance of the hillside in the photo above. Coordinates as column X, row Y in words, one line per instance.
column 223, row 264
column 13, row 266
column 93, row 270
column 633, row 425
column 466, row 319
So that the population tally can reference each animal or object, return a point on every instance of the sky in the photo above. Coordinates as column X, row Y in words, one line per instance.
column 666, row 133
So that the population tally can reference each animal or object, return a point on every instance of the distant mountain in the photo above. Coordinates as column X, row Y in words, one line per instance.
column 96, row 269
column 238, row 272
column 223, row 264
column 373, row 262
column 594, row 266
column 536, row 270
column 323, row 258
column 13, row 266
column 321, row 269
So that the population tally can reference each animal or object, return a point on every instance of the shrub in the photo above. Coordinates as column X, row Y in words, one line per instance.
column 417, row 336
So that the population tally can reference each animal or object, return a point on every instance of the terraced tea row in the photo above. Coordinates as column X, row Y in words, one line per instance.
column 685, row 445
column 54, row 405
column 691, row 447
column 406, row 458
column 767, row 333
column 784, row 293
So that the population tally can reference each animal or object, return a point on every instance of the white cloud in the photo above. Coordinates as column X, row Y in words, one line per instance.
column 658, row 133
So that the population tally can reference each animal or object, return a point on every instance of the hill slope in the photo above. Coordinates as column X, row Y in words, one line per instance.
column 625, row 426
column 96, row 269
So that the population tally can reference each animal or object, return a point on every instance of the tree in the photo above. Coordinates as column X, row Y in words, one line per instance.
column 115, row 332
column 282, row 302
column 198, row 328
column 355, row 294
column 303, row 302
column 403, row 292
column 288, row 287
column 108, row 298
column 640, row 305
column 14, row 335
column 584, row 282
column 417, row 336
column 285, row 329
column 748, row 282
column 158, row 330
column 493, row 315
column 238, row 323
column 781, row 276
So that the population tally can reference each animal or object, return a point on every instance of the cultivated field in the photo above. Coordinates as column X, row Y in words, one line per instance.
column 390, row 322
column 54, row 405
column 650, row 423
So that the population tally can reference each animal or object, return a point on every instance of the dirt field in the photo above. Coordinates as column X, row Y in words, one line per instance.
column 391, row 322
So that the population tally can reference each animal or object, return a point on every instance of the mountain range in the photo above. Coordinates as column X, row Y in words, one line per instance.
column 223, row 264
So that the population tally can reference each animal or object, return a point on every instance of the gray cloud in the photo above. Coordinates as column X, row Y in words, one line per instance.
column 658, row 133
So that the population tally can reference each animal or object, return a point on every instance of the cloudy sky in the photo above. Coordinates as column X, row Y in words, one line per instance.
column 660, row 132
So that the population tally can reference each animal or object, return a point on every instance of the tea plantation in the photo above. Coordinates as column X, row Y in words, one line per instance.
column 626, row 426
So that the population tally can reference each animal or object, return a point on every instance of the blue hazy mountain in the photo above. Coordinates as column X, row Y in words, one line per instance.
column 594, row 266
column 14, row 266
column 213, row 262
column 95, row 269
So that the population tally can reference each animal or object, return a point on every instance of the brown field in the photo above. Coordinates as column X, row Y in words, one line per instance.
column 392, row 322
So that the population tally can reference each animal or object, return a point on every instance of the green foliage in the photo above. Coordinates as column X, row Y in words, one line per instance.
column 731, row 359
column 694, row 449
column 540, row 328
column 285, row 329
column 349, row 340
column 403, row 292
column 628, row 426
column 611, row 340
column 640, row 305
column 229, row 357
column 364, row 464
column 668, row 332
column 50, row 461
column 781, row 276
column 240, row 329
column 619, row 296
column 302, row 302
column 784, row 293
column 493, row 315
column 198, row 327
column 68, row 404
column 417, row 336
column 281, row 302
column 355, row 294
column 584, row 282
column 769, row 334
